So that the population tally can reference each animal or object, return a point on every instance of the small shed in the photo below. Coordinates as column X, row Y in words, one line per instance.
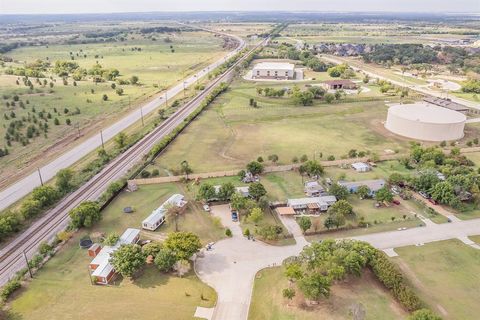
column 94, row 250
column 361, row 167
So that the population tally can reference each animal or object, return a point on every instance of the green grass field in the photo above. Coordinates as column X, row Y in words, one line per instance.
column 155, row 66
column 446, row 275
column 268, row 303
column 232, row 133
column 64, row 286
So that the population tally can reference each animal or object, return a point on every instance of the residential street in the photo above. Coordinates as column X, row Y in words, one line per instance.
column 231, row 266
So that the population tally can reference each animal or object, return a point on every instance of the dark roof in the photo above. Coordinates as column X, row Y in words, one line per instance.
column 337, row 82
column 446, row 104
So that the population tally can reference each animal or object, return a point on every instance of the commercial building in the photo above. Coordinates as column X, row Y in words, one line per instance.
column 158, row 216
column 427, row 122
column 274, row 70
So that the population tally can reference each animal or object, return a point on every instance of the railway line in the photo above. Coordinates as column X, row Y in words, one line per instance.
column 57, row 218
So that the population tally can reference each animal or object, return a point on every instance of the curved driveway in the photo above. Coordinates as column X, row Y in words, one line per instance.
column 25, row 185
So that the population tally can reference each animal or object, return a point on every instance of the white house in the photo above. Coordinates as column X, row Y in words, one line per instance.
column 361, row 167
column 274, row 70
column 157, row 217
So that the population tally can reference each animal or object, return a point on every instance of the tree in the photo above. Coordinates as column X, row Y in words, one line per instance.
column 152, row 249
column 444, row 192
column 396, row 179
column 104, row 97
column 85, row 215
column 121, row 140
column 30, row 208
column 182, row 267
column 383, row 194
column 330, row 222
column 304, row 98
column 315, row 286
column 64, row 180
column 172, row 214
column 293, row 271
column 226, row 191
column 134, row 79
column 128, row 259
column 305, row 223
column 185, row 168
column 256, row 190
column 182, row 244
column 206, row 192
column 46, row 195
column 288, row 293
column 273, row 158
column 363, row 192
column 111, row 239
column 341, row 207
column 255, row 215
column 339, row 191
column 165, row 260
column 312, row 168
column 255, row 167
column 238, row 201
column 424, row 314
column 329, row 97
column 119, row 91
column 426, row 181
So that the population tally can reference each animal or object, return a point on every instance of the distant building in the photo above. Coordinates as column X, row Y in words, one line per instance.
column 311, row 205
column 313, row 189
column 101, row 269
column 341, row 84
column 157, row 217
column 373, row 185
column 274, row 70
column 361, row 167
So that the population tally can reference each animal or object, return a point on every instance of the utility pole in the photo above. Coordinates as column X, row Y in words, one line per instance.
column 141, row 114
column 28, row 266
column 166, row 99
column 101, row 137
column 40, row 176
column 184, row 89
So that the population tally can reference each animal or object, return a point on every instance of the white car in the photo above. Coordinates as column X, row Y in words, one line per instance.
column 206, row 207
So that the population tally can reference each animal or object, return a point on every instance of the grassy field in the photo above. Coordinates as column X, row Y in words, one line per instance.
column 234, row 133
column 155, row 65
column 268, row 303
column 446, row 276
column 63, row 282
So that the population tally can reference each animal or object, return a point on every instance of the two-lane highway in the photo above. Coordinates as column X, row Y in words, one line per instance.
column 57, row 218
column 25, row 185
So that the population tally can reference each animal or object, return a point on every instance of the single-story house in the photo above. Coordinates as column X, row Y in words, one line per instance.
column 100, row 267
column 285, row 211
column 313, row 189
column 313, row 204
column 158, row 216
column 373, row 185
column 361, row 167
column 340, row 84
column 274, row 70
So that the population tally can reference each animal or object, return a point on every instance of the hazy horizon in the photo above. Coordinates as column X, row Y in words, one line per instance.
column 126, row 6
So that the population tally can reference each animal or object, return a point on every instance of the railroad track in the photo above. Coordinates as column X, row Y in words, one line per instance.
column 56, row 219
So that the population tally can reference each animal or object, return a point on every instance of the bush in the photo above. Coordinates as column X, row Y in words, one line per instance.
column 165, row 260
column 9, row 223
column 111, row 239
column 9, row 288
column 45, row 248
column 152, row 248
column 228, row 232
column 145, row 174
column 85, row 215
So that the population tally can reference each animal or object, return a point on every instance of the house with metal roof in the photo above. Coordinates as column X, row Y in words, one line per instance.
column 313, row 189
column 373, row 185
column 312, row 204
column 361, row 166
column 158, row 216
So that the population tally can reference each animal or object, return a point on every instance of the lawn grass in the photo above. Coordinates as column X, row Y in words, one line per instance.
column 234, row 133
column 64, row 286
column 155, row 66
column 268, row 302
column 446, row 275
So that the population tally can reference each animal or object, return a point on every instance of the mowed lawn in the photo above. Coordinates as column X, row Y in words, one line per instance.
column 268, row 302
column 63, row 284
column 233, row 133
column 446, row 275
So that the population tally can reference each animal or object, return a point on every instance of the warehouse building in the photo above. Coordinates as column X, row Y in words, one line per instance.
column 274, row 70
column 427, row 122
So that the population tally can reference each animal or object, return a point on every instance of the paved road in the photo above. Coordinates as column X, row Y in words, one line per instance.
column 25, row 185
column 418, row 88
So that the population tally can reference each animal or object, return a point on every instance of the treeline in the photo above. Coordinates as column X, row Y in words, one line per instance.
column 404, row 53
column 107, row 34
column 160, row 30
column 287, row 51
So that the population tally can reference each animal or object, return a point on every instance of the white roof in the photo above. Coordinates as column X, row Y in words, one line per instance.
column 274, row 66
column 160, row 212
column 373, row 185
column 427, row 113
column 310, row 184
column 104, row 255
column 360, row 165
column 306, row 201
column 103, row 270
column 128, row 236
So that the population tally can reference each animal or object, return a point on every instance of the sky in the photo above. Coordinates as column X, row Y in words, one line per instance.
column 106, row 6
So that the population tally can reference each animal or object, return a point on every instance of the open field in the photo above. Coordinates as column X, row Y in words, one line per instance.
column 63, row 282
column 234, row 133
column 446, row 276
column 82, row 104
column 268, row 303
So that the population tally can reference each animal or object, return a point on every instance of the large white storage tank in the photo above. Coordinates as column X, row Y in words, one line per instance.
column 427, row 122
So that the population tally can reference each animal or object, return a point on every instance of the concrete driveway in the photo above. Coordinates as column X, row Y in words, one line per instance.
column 231, row 266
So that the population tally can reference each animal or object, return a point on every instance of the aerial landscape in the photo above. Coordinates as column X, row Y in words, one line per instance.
column 240, row 160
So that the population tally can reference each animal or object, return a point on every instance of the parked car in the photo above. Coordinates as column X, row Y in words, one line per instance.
column 234, row 216
column 424, row 194
column 395, row 201
column 206, row 207
column 432, row 201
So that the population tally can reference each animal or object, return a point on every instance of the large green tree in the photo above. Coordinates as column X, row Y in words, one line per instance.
column 182, row 244
column 85, row 215
column 128, row 259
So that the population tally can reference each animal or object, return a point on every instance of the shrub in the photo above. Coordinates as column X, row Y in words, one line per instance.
column 45, row 248
column 9, row 288
column 228, row 232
